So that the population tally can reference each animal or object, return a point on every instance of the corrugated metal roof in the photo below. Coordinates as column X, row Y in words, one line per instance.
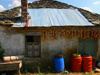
column 45, row 17
column 19, row 24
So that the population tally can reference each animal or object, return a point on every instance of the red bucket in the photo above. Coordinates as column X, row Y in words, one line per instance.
column 93, row 63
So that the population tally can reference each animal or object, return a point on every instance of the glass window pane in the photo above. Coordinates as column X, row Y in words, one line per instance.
column 29, row 47
column 30, row 53
column 36, row 46
column 37, row 39
column 36, row 53
column 29, row 38
column 33, row 38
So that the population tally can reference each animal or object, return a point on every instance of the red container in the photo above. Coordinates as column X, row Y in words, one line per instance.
column 76, row 64
column 93, row 63
column 87, row 63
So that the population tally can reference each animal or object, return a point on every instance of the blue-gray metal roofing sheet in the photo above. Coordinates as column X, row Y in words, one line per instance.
column 46, row 17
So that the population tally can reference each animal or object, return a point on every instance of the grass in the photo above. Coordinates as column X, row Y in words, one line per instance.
column 50, row 71
column 62, row 73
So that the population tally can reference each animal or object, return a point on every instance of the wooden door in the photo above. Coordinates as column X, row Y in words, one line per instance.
column 88, row 46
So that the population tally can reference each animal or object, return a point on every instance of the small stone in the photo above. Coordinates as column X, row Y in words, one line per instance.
column 86, row 72
column 66, row 72
column 1, row 22
column 97, row 70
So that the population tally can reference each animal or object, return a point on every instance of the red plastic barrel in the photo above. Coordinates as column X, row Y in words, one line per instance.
column 76, row 64
column 93, row 63
column 87, row 63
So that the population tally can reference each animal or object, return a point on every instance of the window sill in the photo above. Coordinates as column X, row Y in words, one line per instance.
column 32, row 58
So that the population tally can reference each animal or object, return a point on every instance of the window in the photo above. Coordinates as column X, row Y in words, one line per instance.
column 88, row 46
column 33, row 48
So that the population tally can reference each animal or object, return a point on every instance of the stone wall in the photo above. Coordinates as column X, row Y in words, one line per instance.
column 14, row 44
column 51, row 48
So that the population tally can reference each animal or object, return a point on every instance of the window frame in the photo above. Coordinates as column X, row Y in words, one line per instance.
column 32, row 43
column 96, row 47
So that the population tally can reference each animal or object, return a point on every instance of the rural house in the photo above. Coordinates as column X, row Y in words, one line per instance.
column 43, row 29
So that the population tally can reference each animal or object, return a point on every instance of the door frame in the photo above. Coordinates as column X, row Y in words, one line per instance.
column 84, row 47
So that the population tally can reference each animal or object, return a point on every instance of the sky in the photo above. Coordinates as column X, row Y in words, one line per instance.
column 90, row 5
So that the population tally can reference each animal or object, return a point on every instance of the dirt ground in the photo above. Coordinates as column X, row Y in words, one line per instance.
column 93, row 72
column 66, row 74
column 75, row 73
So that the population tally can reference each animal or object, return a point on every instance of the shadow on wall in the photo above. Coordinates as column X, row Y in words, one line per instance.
column 68, row 53
column 42, row 65
column 48, row 63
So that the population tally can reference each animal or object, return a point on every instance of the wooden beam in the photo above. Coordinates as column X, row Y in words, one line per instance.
column 8, row 23
column 22, row 31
